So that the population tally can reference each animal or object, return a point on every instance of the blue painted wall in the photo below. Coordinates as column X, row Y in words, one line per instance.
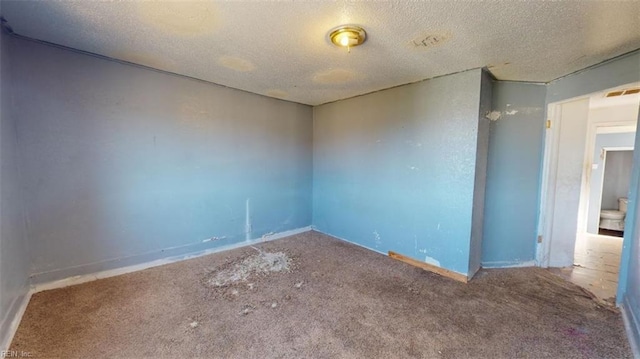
column 615, row 72
column 479, row 191
column 124, row 165
column 597, row 175
column 14, row 259
column 513, row 174
column 396, row 169
column 629, row 288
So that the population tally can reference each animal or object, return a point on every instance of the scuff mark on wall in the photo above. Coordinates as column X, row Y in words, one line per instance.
column 512, row 112
column 413, row 144
column 432, row 261
column 192, row 113
column 376, row 239
column 213, row 239
column 529, row 110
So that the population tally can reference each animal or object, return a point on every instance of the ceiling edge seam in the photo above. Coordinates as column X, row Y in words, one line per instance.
column 123, row 62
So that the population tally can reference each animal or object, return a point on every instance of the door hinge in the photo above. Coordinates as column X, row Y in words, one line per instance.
column 548, row 123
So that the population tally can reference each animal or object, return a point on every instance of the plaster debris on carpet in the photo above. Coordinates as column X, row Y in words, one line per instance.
column 258, row 264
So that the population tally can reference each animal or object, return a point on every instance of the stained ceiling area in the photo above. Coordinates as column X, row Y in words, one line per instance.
column 282, row 49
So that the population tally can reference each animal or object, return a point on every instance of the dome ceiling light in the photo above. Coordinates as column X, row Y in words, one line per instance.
column 348, row 36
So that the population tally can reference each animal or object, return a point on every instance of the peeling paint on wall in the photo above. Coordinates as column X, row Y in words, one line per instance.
column 496, row 115
column 493, row 115
column 213, row 239
column 267, row 235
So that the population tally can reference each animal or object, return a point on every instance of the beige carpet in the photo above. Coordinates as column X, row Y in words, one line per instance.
column 313, row 296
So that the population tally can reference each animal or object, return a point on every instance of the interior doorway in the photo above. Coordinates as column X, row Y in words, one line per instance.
column 610, row 191
column 582, row 133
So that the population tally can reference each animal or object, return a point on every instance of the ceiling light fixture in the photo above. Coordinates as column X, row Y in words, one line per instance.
column 348, row 36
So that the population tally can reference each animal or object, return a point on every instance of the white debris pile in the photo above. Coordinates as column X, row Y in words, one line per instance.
column 261, row 263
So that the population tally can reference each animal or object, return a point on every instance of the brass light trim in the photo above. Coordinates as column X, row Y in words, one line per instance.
column 348, row 36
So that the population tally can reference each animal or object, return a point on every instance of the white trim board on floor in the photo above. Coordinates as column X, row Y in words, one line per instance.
column 508, row 264
column 35, row 288
column 11, row 321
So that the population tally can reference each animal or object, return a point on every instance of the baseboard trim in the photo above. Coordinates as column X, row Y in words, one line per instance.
column 158, row 261
column 632, row 326
column 12, row 319
column 435, row 269
column 348, row 241
column 430, row 267
column 508, row 264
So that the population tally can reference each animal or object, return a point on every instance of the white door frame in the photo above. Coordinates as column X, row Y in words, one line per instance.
column 549, row 176
column 550, row 169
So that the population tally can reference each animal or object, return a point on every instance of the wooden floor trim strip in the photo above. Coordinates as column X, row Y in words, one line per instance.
column 430, row 267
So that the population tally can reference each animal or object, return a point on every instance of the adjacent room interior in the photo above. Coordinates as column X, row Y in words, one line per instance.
column 319, row 179
column 607, row 122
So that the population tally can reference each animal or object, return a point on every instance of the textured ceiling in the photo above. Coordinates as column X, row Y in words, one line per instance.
column 281, row 49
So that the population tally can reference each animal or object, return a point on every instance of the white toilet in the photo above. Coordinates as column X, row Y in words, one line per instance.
column 612, row 219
